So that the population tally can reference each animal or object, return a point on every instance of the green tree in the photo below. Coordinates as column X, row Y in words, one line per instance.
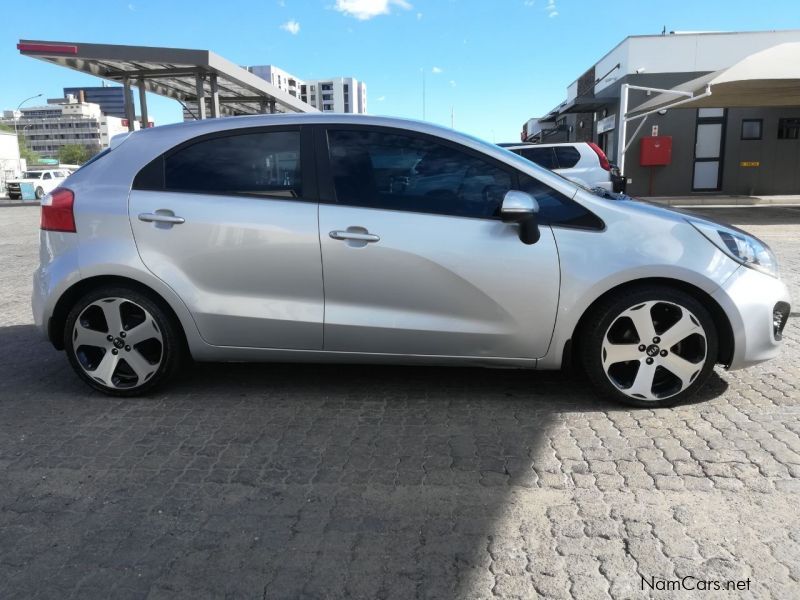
column 29, row 155
column 73, row 154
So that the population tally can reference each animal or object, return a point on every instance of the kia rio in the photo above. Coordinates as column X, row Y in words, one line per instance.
column 340, row 238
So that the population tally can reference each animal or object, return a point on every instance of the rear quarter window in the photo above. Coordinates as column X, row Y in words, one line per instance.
column 567, row 156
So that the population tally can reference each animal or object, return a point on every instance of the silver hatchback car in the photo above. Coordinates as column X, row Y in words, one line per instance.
column 362, row 239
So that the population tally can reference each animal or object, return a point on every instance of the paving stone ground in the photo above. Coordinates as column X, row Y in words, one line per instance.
column 269, row 481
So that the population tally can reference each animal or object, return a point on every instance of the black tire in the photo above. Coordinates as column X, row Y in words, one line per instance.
column 609, row 312
column 172, row 345
column 39, row 193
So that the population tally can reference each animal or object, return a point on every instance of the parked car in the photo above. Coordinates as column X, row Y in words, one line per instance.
column 347, row 238
column 41, row 181
column 582, row 162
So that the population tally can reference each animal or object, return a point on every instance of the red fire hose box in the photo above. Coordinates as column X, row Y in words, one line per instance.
column 655, row 151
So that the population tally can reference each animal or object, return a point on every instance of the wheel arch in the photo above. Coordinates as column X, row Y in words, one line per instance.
column 721, row 322
column 57, row 322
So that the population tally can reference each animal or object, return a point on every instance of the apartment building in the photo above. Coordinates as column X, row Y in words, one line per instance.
column 335, row 94
column 64, row 121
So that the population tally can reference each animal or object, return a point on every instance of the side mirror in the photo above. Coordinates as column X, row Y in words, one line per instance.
column 521, row 208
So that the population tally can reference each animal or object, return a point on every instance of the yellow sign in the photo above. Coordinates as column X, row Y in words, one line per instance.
column 749, row 163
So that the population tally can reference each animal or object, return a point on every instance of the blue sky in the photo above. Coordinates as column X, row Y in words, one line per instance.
column 496, row 63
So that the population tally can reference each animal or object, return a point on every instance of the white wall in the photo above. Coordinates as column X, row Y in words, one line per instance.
column 685, row 53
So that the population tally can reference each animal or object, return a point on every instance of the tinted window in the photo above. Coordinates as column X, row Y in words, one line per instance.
column 555, row 208
column 47, row 176
column 751, row 129
column 401, row 172
column 568, row 156
column 541, row 156
column 265, row 164
column 788, row 129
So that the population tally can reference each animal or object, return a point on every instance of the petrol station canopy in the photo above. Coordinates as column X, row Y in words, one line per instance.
column 212, row 84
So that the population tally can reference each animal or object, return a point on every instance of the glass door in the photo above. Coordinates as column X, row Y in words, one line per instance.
column 708, row 147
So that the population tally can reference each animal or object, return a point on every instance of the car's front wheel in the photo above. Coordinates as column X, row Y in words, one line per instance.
column 653, row 346
column 121, row 342
column 39, row 193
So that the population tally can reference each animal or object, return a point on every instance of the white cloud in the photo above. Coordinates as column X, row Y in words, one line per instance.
column 132, row 7
column 291, row 26
column 363, row 10
column 452, row 83
column 551, row 9
column 529, row 2
column 419, row 16
column 437, row 70
column 381, row 98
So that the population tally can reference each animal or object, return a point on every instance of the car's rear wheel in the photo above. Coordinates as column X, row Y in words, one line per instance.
column 39, row 193
column 121, row 342
column 653, row 346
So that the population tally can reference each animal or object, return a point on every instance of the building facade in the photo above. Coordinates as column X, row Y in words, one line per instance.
column 45, row 129
column 111, row 99
column 751, row 151
column 335, row 94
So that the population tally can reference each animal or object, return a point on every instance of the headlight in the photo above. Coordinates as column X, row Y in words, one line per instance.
column 743, row 248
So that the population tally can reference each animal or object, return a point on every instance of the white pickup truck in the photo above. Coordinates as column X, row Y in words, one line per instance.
column 43, row 182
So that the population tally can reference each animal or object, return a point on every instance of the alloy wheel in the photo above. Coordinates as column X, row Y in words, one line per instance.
column 117, row 343
column 654, row 350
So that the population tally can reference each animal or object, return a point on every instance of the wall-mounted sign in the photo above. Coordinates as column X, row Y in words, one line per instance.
column 750, row 163
column 607, row 124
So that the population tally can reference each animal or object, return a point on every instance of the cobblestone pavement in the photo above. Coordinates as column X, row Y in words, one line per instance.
column 267, row 481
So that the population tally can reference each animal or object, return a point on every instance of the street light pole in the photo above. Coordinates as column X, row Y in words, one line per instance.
column 16, row 132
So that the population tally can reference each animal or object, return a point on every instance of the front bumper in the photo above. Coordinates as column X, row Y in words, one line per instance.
column 750, row 298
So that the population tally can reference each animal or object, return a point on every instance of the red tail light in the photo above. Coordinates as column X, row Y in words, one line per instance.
column 57, row 211
column 604, row 164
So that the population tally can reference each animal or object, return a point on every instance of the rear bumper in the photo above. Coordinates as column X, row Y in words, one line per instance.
column 750, row 298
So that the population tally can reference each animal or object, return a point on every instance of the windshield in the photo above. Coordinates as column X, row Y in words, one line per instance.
column 32, row 175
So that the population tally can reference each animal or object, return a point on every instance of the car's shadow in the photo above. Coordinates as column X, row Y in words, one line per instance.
column 285, row 481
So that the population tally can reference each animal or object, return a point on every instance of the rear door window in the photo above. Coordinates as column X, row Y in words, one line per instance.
column 567, row 156
column 262, row 164
column 541, row 156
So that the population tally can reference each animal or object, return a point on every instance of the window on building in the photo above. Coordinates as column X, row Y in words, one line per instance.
column 265, row 164
column 788, row 129
column 401, row 172
column 751, row 129
column 327, row 97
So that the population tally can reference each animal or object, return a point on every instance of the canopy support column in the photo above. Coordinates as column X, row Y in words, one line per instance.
column 214, row 96
column 130, row 113
column 200, row 88
column 143, row 104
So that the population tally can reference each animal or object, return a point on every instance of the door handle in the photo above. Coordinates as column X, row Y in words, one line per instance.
column 352, row 235
column 157, row 217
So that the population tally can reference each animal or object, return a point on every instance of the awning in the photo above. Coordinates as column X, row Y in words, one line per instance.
column 767, row 78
